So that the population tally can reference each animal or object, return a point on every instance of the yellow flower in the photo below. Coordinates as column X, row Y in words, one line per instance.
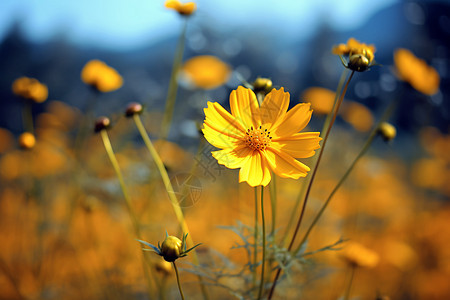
column 185, row 9
column 360, row 55
column 260, row 139
column 357, row 255
column 27, row 140
column 101, row 76
column 321, row 99
column 416, row 72
column 357, row 115
column 205, row 71
column 30, row 88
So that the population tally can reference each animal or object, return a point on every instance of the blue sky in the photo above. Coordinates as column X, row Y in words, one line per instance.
column 127, row 24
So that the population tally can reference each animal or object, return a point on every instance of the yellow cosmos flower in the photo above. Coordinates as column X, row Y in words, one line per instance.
column 101, row 76
column 205, row 71
column 260, row 139
column 185, row 9
column 30, row 88
column 416, row 72
column 360, row 55
column 358, row 255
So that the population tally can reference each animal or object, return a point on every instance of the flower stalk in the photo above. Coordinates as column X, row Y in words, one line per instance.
column 263, row 261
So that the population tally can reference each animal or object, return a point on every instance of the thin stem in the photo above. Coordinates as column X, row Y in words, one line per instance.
column 308, row 190
column 114, row 162
column 255, row 249
column 273, row 202
column 173, row 85
column 27, row 116
column 325, row 127
column 350, row 281
column 170, row 192
column 178, row 280
column 263, row 262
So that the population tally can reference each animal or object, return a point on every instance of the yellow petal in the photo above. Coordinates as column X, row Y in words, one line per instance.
column 222, row 121
column 295, row 120
column 232, row 158
column 244, row 106
column 300, row 145
column 274, row 107
column 255, row 170
column 219, row 139
column 285, row 165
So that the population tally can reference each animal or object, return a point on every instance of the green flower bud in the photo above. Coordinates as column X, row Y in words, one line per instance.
column 171, row 248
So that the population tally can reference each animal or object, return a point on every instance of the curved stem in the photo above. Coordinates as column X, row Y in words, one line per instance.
column 178, row 280
column 27, row 116
column 263, row 261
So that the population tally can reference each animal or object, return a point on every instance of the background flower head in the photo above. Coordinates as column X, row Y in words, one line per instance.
column 101, row 76
column 261, row 139
column 205, row 71
column 30, row 88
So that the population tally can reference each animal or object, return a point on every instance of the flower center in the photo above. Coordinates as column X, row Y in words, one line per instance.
column 257, row 139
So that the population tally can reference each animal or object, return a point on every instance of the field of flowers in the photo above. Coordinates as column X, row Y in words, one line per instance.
column 278, row 198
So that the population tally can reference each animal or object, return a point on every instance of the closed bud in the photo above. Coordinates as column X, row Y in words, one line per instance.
column 102, row 123
column 171, row 248
column 133, row 108
column 262, row 85
column 358, row 62
column 387, row 131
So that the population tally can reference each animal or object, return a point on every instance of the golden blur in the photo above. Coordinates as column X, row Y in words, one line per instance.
column 205, row 72
column 101, row 76
column 182, row 8
column 30, row 88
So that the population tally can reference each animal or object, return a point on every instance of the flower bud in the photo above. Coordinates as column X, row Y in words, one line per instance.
column 27, row 140
column 262, row 85
column 358, row 62
column 171, row 248
column 102, row 123
column 387, row 131
column 133, row 108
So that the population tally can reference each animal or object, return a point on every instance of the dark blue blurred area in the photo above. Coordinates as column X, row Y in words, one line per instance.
column 296, row 64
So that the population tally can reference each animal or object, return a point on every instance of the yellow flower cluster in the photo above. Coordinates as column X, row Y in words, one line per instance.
column 101, row 76
column 30, row 88
column 185, row 9
column 357, row 255
column 416, row 72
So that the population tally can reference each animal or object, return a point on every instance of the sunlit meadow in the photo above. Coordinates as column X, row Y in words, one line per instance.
column 312, row 194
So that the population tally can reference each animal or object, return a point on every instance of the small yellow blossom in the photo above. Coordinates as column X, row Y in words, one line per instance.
column 261, row 139
column 27, row 140
column 101, row 76
column 357, row 115
column 205, row 71
column 387, row 131
column 185, row 9
column 416, row 72
column 321, row 99
column 30, row 88
column 360, row 55
column 357, row 255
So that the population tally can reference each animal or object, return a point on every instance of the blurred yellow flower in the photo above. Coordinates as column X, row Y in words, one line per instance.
column 27, row 140
column 361, row 56
column 260, row 139
column 358, row 255
column 101, row 76
column 321, row 99
column 182, row 8
column 358, row 115
column 205, row 71
column 30, row 88
column 416, row 72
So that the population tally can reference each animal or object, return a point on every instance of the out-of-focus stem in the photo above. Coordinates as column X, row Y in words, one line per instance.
column 178, row 280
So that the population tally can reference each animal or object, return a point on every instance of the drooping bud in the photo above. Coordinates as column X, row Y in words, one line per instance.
column 102, row 123
column 387, row 131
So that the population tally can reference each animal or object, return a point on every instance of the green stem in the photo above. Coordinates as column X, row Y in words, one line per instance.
column 255, row 249
column 308, row 190
column 273, row 202
column 178, row 280
column 325, row 127
column 170, row 192
column 350, row 281
column 263, row 261
column 114, row 162
column 27, row 116
column 173, row 85
column 364, row 149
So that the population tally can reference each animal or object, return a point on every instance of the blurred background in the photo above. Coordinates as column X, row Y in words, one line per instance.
column 404, row 184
